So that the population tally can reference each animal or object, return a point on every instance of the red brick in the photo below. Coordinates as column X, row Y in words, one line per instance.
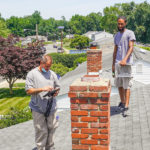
column 78, row 88
column 88, row 106
column 88, row 94
column 100, row 136
column 98, row 101
column 74, row 118
column 99, row 147
column 105, row 94
column 98, row 88
column 99, row 113
column 87, row 130
column 99, row 125
column 88, row 141
column 80, row 147
column 104, row 131
column 75, row 130
column 79, row 113
column 75, row 141
column 104, row 142
column 79, row 101
column 79, row 125
column 89, row 119
column 103, row 120
column 74, row 106
column 104, row 107
column 72, row 94
column 79, row 136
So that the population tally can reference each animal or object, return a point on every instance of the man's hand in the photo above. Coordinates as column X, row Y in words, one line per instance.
column 123, row 62
column 56, row 92
column 47, row 88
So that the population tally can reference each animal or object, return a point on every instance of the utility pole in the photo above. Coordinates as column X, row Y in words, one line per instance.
column 61, row 39
column 37, row 32
column 61, row 28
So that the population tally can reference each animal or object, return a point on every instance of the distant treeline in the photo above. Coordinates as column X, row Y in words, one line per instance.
column 138, row 16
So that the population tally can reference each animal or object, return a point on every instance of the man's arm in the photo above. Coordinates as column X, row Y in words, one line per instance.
column 130, row 50
column 114, row 58
column 32, row 91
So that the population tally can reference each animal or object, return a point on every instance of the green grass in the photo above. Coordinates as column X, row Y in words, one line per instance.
column 48, row 42
column 19, row 99
column 146, row 48
column 66, row 45
column 19, row 85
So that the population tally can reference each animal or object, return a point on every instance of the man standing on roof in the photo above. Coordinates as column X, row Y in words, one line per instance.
column 122, row 62
column 39, row 82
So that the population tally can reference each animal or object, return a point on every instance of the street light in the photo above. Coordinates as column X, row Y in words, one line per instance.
column 61, row 28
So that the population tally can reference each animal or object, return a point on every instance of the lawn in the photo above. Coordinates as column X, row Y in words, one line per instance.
column 19, row 98
column 146, row 48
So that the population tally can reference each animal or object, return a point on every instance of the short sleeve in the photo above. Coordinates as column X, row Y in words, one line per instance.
column 132, row 36
column 115, row 39
column 29, row 81
column 56, row 81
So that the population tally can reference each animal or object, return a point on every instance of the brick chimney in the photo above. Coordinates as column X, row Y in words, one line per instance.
column 90, row 107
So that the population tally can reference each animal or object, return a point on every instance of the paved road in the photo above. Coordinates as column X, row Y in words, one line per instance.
column 1, row 80
column 50, row 49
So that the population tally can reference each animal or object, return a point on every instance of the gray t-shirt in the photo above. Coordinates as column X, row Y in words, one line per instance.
column 122, row 42
column 37, row 79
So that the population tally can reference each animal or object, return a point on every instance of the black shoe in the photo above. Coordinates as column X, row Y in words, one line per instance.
column 125, row 112
column 121, row 105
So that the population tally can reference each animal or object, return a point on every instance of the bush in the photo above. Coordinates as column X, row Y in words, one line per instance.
column 15, row 116
column 79, row 61
column 80, row 42
column 66, row 40
column 66, row 60
column 59, row 69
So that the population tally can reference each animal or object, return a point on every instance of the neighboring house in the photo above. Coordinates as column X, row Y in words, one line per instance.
column 100, row 38
column 29, row 39
column 101, row 35
column 89, row 34
column 98, row 35
column 70, row 36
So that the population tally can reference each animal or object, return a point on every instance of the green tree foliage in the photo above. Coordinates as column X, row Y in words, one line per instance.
column 59, row 69
column 79, row 61
column 66, row 59
column 79, row 42
column 4, row 31
column 109, row 20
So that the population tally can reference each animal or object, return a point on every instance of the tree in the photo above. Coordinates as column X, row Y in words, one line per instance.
column 79, row 42
column 16, row 62
column 4, row 32
column 109, row 20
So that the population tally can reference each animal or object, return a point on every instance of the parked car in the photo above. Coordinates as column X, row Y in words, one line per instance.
column 60, row 50
column 54, row 46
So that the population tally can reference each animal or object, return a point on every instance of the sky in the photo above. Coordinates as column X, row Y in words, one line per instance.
column 55, row 8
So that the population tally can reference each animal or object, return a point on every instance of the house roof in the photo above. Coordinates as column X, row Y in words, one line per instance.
column 130, row 133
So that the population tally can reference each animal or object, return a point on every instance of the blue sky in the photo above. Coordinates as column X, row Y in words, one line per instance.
column 55, row 8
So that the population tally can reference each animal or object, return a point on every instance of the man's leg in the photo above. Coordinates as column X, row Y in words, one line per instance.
column 127, row 84
column 52, row 125
column 122, row 94
column 41, row 131
column 127, row 97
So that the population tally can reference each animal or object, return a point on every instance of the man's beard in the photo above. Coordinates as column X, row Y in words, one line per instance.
column 122, row 29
